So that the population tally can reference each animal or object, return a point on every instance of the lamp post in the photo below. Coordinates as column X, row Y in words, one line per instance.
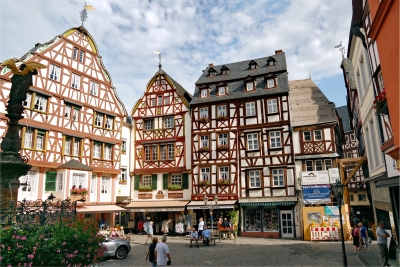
column 211, row 206
column 338, row 189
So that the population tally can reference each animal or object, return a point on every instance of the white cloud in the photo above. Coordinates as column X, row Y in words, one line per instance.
column 189, row 34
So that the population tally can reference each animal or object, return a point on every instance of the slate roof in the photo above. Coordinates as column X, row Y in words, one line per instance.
column 238, row 72
column 179, row 88
column 75, row 165
column 343, row 113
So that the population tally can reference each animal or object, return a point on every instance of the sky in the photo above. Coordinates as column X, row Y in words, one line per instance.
column 190, row 34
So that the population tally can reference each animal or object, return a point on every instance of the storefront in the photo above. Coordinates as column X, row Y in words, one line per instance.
column 267, row 219
column 103, row 214
column 168, row 216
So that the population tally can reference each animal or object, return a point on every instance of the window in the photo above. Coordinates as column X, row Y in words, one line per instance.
column 352, row 137
column 328, row 164
column 362, row 197
column 158, row 82
column 51, row 180
column 318, row 165
column 60, row 182
column 224, row 173
column 105, row 185
column 54, row 73
column 28, row 101
column 347, row 138
column 154, row 152
column 94, row 88
column 34, row 139
column 97, row 150
column 122, row 177
column 166, row 100
column 278, row 177
column 309, row 165
column 222, row 139
column 169, row 122
column 146, row 180
column 149, row 124
column 251, row 109
column 104, row 121
column 317, row 135
column 203, row 113
column 348, row 154
column 352, row 198
column 270, row 83
column 109, row 122
column 176, row 179
column 254, row 177
column 159, row 152
column 108, row 152
column 153, row 102
column 71, row 112
column 123, row 146
column 75, row 81
column 163, row 82
column 275, row 139
column 250, row 86
column 221, row 90
column 102, row 151
column 75, row 53
column 40, row 102
column 99, row 119
column 203, row 141
column 28, row 182
column 380, row 82
column 81, row 56
column 72, row 146
column 171, row 151
column 93, row 185
column 307, row 136
column 159, row 100
column 204, row 93
column 271, row 63
column 252, row 141
column 147, row 152
column 79, row 180
column 221, row 111
column 205, row 174
column 272, row 106
column 163, row 152
column 225, row 71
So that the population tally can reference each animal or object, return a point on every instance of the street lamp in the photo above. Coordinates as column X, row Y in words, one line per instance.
column 338, row 189
column 205, row 199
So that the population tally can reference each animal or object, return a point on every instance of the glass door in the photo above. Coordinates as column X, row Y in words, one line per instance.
column 287, row 223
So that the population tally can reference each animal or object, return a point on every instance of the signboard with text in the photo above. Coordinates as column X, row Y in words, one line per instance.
column 334, row 175
column 315, row 177
column 316, row 194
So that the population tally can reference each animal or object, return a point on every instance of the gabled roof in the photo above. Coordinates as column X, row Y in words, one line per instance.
column 343, row 113
column 75, row 165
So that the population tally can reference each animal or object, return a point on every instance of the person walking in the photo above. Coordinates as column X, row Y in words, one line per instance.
column 206, row 236
column 150, row 254
column 356, row 238
column 200, row 227
column 149, row 232
column 162, row 253
column 225, row 225
column 194, row 237
column 364, row 236
column 382, row 236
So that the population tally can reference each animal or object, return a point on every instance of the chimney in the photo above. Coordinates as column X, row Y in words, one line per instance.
column 278, row 51
column 211, row 65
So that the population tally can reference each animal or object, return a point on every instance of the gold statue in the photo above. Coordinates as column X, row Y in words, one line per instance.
column 22, row 79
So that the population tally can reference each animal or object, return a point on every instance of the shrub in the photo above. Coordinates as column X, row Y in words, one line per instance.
column 70, row 243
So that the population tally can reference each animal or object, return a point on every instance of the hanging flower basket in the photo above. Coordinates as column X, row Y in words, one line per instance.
column 204, row 183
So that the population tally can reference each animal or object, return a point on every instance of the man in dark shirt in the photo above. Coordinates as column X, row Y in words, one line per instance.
column 225, row 225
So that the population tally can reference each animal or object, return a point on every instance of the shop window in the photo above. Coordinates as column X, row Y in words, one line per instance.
column 253, row 219
column 270, row 220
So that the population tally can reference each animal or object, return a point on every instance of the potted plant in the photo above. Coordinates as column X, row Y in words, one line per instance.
column 204, row 149
column 221, row 118
column 203, row 120
column 380, row 103
column 145, row 188
column 74, row 190
column 204, row 183
column 175, row 187
column 222, row 147
column 223, row 182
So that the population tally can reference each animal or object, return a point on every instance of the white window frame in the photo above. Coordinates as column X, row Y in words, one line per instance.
column 254, row 179
column 307, row 135
column 318, row 165
column 315, row 135
column 159, row 100
column 250, row 109
column 105, row 185
column 168, row 122
column 252, row 141
column 278, row 177
column 78, row 179
column 223, row 139
column 171, row 151
column 107, row 152
column 99, row 119
column 149, row 124
column 250, row 86
column 205, row 174
column 81, row 56
column 204, row 93
column 75, row 53
column 203, row 113
column 328, row 164
column 123, row 146
column 28, row 138
column 146, row 180
column 166, row 100
column 41, row 102
column 275, row 139
column 176, row 179
column 76, row 152
column 76, row 80
column 271, row 83
column 109, row 122
column 221, row 90
column 221, row 110
column 54, row 73
column 309, row 164
column 93, row 88
column 60, row 182
column 272, row 106
column 28, row 101
column 97, row 150
column 223, row 173
column 40, row 140
column 154, row 152
column 30, row 180
column 67, row 145
column 204, row 141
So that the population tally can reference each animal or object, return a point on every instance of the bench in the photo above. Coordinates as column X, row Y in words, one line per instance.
column 212, row 240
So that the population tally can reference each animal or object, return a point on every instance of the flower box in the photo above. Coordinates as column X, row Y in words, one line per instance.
column 203, row 120
column 204, row 183
column 222, row 118
column 175, row 188
column 78, row 191
column 222, row 147
column 380, row 103
column 204, row 149
column 222, row 182
column 145, row 188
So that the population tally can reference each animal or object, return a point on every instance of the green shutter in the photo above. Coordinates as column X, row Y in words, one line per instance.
column 185, row 180
column 51, row 178
column 165, row 181
column 154, row 181
column 137, row 182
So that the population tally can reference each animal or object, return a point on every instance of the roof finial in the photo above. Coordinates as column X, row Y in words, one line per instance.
column 159, row 59
column 84, row 12
column 342, row 49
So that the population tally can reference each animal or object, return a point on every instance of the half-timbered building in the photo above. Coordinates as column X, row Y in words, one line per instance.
column 161, row 155
column 242, row 144
column 72, row 125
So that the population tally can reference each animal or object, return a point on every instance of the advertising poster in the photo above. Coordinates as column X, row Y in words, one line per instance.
column 316, row 194
column 331, row 210
column 334, row 175
column 314, row 217
column 315, row 177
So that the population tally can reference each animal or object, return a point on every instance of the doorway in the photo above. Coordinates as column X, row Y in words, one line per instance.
column 286, row 223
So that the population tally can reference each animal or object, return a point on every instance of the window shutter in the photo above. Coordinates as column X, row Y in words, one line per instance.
column 154, row 181
column 51, row 178
column 165, row 181
column 185, row 180
column 137, row 182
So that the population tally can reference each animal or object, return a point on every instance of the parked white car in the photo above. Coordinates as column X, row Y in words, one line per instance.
column 118, row 247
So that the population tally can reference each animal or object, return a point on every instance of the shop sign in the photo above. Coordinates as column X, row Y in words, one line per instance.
column 175, row 195
column 160, row 194
column 145, row 196
column 316, row 194
column 315, row 177
column 334, row 175
column 331, row 210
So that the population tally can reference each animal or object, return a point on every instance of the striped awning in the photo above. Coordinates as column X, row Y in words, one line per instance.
column 282, row 203
column 157, row 205
column 100, row 209
column 222, row 204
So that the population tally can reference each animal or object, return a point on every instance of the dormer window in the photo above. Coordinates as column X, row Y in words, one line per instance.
column 222, row 90
column 253, row 65
column 224, row 70
column 250, row 86
column 270, row 81
column 271, row 62
column 212, row 72
column 204, row 93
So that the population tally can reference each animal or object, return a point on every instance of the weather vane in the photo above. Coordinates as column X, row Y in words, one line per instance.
column 84, row 12
column 342, row 49
column 159, row 59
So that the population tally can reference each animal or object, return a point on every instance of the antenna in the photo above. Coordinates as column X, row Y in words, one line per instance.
column 342, row 49
column 159, row 59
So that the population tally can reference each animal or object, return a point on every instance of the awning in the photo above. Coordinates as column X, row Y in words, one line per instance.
column 282, row 203
column 222, row 204
column 157, row 205
column 100, row 209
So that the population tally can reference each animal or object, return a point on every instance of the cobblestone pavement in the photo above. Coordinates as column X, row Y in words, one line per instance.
column 246, row 252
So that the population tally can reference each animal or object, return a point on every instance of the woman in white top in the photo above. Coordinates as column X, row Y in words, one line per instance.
column 149, row 232
column 200, row 228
